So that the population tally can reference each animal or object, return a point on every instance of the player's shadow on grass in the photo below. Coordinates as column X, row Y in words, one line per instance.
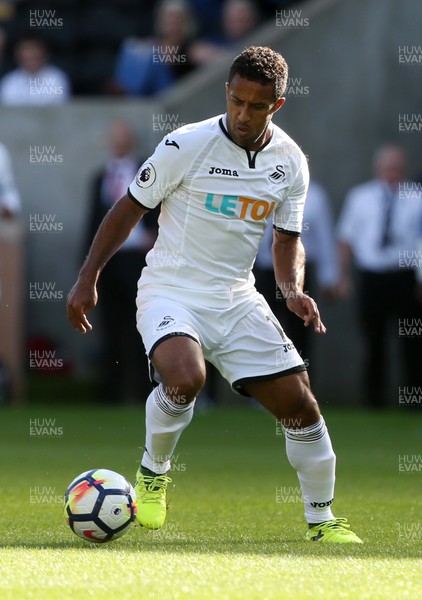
column 273, row 546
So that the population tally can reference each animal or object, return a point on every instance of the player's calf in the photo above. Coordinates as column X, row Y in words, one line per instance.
column 289, row 399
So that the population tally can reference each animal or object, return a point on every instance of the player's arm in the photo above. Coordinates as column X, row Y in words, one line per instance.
column 289, row 269
column 113, row 231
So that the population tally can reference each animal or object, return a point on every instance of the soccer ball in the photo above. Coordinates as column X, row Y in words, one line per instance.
column 100, row 505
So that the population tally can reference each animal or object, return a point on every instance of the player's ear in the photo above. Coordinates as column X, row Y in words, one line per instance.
column 227, row 90
column 278, row 104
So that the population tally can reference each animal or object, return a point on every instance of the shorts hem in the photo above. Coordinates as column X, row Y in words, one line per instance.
column 170, row 335
column 238, row 384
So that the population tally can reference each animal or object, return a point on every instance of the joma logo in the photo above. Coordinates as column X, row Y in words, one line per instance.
column 218, row 171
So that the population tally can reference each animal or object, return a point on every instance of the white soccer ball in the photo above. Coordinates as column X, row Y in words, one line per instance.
column 100, row 505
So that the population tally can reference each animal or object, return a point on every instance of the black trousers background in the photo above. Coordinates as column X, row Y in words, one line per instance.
column 384, row 298
column 124, row 370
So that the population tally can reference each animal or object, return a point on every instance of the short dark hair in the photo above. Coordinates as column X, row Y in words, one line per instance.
column 264, row 65
column 32, row 38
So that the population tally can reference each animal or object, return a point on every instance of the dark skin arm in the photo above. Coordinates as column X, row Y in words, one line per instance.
column 113, row 231
column 289, row 269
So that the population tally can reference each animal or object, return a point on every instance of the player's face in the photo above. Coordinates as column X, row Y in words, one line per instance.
column 250, row 107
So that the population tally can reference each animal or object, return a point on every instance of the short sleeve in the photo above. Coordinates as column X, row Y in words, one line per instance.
column 288, row 216
column 161, row 173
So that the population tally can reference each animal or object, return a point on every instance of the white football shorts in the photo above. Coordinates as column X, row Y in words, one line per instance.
column 244, row 341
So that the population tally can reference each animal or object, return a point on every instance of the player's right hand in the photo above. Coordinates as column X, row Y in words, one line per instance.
column 81, row 299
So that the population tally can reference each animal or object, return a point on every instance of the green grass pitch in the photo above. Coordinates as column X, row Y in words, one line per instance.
column 235, row 526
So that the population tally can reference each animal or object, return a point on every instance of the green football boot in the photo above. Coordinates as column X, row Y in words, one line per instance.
column 151, row 493
column 336, row 531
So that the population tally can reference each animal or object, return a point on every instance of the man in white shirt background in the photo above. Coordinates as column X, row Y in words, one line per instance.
column 378, row 226
column 11, row 285
column 34, row 81
column 9, row 195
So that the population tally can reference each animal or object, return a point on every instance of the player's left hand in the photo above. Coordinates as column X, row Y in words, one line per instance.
column 81, row 299
column 306, row 308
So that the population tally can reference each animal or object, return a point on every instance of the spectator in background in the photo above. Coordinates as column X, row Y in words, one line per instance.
column 322, row 273
column 9, row 195
column 208, row 15
column 378, row 228
column 239, row 19
column 125, row 376
column 10, row 286
column 2, row 48
column 146, row 67
column 418, row 262
column 35, row 81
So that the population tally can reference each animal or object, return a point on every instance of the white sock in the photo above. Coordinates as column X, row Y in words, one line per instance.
column 165, row 422
column 310, row 452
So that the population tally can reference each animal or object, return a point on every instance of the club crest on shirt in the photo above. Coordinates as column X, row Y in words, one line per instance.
column 278, row 175
column 166, row 321
column 146, row 176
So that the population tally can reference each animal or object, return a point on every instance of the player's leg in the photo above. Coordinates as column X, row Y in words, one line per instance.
column 288, row 398
column 177, row 364
column 308, row 444
column 259, row 360
column 309, row 451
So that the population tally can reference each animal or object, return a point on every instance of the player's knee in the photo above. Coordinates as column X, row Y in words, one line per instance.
column 185, row 385
column 302, row 408
column 305, row 403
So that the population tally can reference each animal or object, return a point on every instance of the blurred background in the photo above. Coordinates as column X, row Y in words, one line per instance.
column 87, row 90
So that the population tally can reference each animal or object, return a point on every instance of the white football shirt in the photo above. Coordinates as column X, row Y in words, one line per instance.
column 216, row 199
